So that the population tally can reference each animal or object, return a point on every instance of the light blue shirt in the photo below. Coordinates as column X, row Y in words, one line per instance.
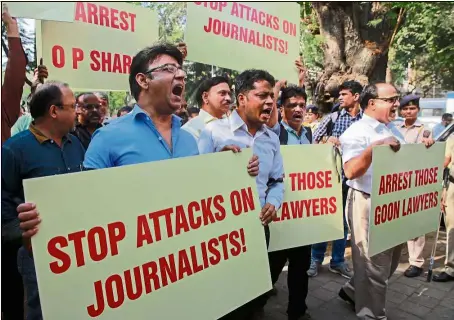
column 293, row 137
column 134, row 139
column 265, row 145
column 437, row 130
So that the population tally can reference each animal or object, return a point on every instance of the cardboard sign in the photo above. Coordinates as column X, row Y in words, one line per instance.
column 95, row 52
column 406, row 192
column 312, row 208
column 138, row 242
column 245, row 35
column 53, row 11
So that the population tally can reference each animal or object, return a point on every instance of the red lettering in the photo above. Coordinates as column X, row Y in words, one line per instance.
column 80, row 12
column 55, row 252
column 138, row 284
column 111, row 282
column 181, row 224
column 76, row 237
column 101, row 241
column 117, row 232
column 58, row 56
column 168, row 270
column 92, row 10
column 104, row 16
column 78, row 55
column 217, row 203
column 143, row 231
column 99, row 293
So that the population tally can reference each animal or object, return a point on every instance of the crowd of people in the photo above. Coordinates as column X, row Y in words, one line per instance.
column 65, row 133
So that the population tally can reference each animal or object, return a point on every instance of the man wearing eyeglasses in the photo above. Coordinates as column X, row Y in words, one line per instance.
column 366, row 290
column 88, row 119
column 45, row 149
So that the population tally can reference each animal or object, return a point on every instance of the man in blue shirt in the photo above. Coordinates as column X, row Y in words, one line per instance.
column 45, row 149
column 246, row 128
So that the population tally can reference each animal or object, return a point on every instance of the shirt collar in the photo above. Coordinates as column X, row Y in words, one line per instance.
column 236, row 123
column 41, row 137
column 290, row 129
column 206, row 117
column 416, row 124
column 344, row 112
column 374, row 123
column 138, row 112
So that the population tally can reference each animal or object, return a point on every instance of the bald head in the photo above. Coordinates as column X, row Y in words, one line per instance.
column 380, row 101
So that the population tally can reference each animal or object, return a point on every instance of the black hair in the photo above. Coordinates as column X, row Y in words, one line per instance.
column 123, row 109
column 244, row 82
column 102, row 95
column 206, row 85
column 369, row 92
column 292, row 91
column 87, row 95
column 45, row 96
column 445, row 116
column 146, row 56
column 193, row 110
column 353, row 86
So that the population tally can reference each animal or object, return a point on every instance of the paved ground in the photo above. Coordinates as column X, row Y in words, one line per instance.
column 412, row 299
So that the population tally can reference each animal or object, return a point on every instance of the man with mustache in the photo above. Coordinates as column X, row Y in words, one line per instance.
column 292, row 132
column 246, row 128
column 366, row 290
column 214, row 99
column 89, row 118
column 414, row 132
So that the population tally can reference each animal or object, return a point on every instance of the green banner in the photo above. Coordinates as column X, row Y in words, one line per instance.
column 245, row 35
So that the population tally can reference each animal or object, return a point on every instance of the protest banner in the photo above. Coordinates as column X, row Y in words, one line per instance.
column 245, row 35
column 54, row 11
column 96, row 50
column 406, row 191
column 312, row 208
column 150, row 239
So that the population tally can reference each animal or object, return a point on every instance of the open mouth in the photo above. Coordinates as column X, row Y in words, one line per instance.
column 298, row 116
column 178, row 90
column 266, row 112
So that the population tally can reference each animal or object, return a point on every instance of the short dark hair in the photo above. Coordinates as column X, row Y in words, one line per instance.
column 292, row 91
column 45, row 96
column 353, row 86
column 193, row 110
column 206, row 85
column 369, row 92
column 446, row 116
column 146, row 56
column 124, row 109
column 87, row 95
column 244, row 82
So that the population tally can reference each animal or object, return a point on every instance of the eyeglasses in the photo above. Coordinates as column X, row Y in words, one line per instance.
column 168, row 68
column 389, row 100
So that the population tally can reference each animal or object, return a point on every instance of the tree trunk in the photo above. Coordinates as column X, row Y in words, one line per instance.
column 353, row 50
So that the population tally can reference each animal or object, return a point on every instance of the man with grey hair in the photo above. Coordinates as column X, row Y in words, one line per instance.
column 366, row 290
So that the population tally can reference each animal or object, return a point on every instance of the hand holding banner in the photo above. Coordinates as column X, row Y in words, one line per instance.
column 135, row 242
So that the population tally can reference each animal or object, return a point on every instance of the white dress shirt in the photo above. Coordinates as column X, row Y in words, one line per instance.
column 196, row 125
column 265, row 144
column 357, row 138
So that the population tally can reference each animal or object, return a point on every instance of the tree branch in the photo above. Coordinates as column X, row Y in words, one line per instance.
column 399, row 22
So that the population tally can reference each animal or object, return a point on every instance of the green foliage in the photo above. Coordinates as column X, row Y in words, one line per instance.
column 116, row 101
column 426, row 41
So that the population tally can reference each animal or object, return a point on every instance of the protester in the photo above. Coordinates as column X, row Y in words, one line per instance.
column 45, row 149
column 214, row 98
column 124, row 111
column 24, row 121
column 246, row 127
column 446, row 120
column 12, row 87
column 182, row 112
column 312, row 117
column 366, row 290
column 193, row 112
column 331, row 128
column 14, row 80
column 104, row 110
column 292, row 132
column 448, row 208
column 89, row 118
column 414, row 132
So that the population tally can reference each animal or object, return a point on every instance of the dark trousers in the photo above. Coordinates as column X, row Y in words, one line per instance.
column 247, row 310
column 299, row 260
column 12, row 286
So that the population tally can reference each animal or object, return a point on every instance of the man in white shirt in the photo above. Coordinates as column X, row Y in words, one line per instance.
column 366, row 290
column 214, row 96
